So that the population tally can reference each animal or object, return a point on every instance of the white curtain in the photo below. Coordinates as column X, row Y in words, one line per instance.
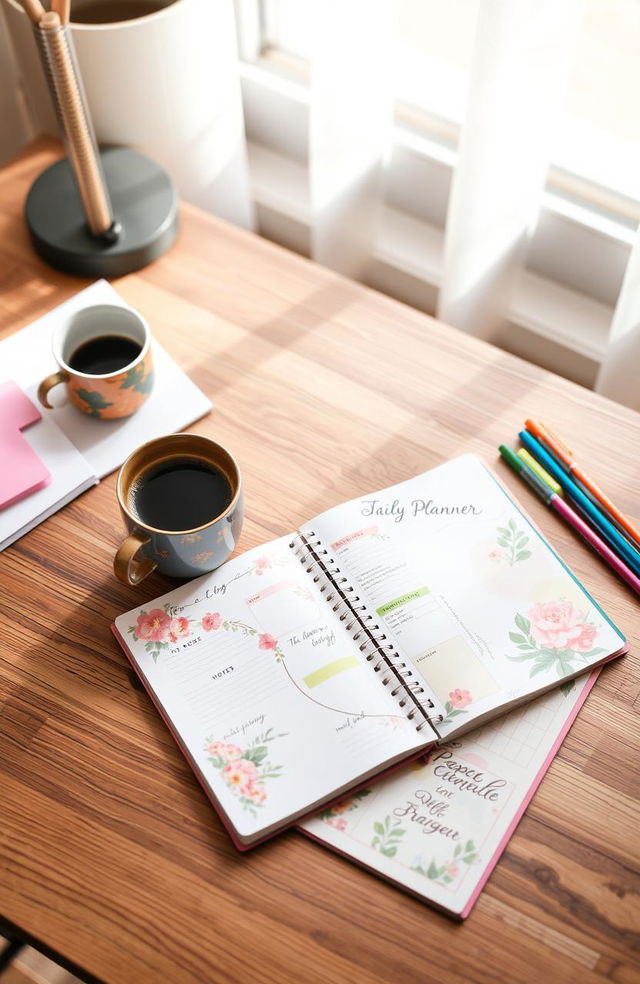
column 349, row 126
column 517, row 80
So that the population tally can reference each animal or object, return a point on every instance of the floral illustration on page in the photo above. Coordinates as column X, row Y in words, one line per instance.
column 458, row 701
column 158, row 630
column 334, row 815
column 444, row 874
column 213, row 621
column 265, row 563
column 245, row 771
column 512, row 545
column 552, row 636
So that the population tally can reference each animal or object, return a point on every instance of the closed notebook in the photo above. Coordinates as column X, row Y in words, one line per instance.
column 438, row 827
column 302, row 669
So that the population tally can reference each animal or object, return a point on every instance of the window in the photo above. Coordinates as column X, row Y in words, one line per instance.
column 599, row 133
column 577, row 257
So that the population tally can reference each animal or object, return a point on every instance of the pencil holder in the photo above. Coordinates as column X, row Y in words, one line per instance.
column 95, row 213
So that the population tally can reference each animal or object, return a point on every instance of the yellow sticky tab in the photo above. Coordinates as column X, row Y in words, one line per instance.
column 541, row 472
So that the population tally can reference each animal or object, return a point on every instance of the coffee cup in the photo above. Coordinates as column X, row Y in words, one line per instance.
column 181, row 500
column 104, row 355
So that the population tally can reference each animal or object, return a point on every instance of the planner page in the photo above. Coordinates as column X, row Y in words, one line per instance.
column 438, row 826
column 268, row 694
column 479, row 605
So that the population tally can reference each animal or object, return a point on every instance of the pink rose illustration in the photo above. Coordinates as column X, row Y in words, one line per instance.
column 212, row 620
column 452, row 870
column 556, row 625
column 231, row 752
column 255, row 792
column 263, row 564
column 496, row 555
column 249, row 768
column 178, row 629
column 584, row 642
column 459, row 698
column 339, row 823
column 154, row 626
column 233, row 775
column 216, row 748
column 266, row 641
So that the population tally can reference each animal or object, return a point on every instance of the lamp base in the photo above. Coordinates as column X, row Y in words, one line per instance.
column 144, row 204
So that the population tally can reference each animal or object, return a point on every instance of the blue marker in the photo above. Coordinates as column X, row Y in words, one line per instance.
column 595, row 517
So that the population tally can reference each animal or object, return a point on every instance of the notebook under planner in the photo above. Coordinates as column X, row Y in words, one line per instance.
column 438, row 827
column 306, row 667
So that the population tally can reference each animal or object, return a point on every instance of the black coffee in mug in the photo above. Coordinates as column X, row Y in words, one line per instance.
column 104, row 354
column 180, row 494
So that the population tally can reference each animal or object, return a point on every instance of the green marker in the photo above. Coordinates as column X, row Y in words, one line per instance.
column 520, row 468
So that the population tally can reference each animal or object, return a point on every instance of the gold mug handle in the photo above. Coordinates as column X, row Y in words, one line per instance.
column 61, row 376
column 127, row 569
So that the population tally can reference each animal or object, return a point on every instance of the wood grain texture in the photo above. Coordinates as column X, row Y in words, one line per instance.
column 323, row 390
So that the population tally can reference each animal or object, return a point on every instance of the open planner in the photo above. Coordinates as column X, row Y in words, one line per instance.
column 303, row 668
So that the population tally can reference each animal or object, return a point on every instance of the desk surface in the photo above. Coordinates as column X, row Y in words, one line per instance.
column 109, row 852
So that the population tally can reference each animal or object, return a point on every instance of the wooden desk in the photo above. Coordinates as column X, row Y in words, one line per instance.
column 110, row 853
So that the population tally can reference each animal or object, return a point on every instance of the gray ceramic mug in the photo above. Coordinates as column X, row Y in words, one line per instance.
column 187, row 552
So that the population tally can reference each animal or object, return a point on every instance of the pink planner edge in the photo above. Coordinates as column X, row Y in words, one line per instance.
column 530, row 792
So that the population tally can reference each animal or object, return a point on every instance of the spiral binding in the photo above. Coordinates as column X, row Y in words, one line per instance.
column 375, row 645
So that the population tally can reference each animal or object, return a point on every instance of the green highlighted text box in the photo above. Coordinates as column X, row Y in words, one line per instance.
column 330, row 670
column 402, row 600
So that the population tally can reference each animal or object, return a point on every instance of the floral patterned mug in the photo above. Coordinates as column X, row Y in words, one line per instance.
column 195, row 549
column 104, row 354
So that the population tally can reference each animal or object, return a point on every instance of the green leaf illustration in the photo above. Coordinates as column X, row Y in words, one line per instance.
column 523, row 624
column 592, row 653
column 523, row 554
column 389, row 852
column 256, row 755
column 379, row 829
column 95, row 401
column 540, row 668
column 137, row 381
column 517, row 638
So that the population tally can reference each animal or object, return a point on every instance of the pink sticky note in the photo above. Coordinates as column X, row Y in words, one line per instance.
column 21, row 470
